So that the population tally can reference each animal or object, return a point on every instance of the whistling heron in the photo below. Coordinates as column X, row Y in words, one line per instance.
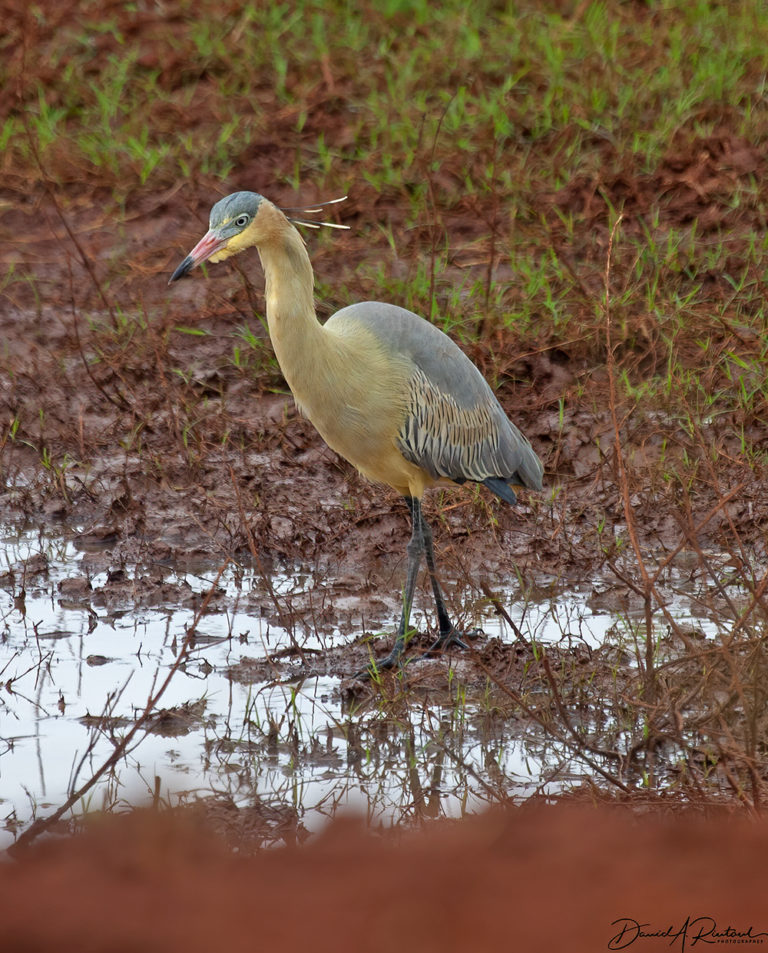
column 386, row 389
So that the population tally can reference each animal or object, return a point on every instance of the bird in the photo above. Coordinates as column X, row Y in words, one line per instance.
column 385, row 388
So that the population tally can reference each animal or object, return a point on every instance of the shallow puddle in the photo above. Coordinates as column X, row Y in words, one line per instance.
column 79, row 658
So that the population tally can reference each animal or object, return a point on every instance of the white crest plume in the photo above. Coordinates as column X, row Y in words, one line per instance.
column 315, row 210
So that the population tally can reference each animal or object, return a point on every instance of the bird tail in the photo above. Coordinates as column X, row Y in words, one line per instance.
column 501, row 488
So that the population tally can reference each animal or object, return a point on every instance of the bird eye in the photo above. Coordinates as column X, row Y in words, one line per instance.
column 241, row 221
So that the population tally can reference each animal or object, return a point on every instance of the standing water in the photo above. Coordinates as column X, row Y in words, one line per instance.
column 79, row 658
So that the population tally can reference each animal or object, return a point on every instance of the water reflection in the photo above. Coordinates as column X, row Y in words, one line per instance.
column 79, row 656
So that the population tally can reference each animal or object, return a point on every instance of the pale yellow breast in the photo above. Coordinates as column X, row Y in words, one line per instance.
column 356, row 395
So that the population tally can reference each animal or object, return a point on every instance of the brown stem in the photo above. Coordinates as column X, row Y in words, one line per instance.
column 42, row 824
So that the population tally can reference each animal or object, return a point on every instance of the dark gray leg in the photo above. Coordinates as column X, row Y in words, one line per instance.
column 449, row 635
column 419, row 543
column 415, row 550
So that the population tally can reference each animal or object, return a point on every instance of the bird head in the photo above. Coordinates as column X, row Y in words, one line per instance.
column 243, row 219
column 236, row 222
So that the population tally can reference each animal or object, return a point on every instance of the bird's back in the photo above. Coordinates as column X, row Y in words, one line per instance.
column 453, row 426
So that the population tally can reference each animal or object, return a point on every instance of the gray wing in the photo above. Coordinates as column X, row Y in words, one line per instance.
column 454, row 426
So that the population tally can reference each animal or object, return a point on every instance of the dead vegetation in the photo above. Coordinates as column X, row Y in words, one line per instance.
column 614, row 294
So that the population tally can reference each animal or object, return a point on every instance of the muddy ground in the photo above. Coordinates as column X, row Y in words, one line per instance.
column 136, row 416
column 144, row 421
column 530, row 880
column 134, row 475
column 155, row 449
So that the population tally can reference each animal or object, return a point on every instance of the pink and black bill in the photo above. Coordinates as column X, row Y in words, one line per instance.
column 208, row 245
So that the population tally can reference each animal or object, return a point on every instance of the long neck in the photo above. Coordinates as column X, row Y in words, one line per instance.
column 297, row 336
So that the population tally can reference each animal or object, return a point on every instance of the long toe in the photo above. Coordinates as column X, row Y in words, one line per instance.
column 451, row 639
column 394, row 659
column 446, row 640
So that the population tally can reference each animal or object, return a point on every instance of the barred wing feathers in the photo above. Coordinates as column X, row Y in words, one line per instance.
column 453, row 426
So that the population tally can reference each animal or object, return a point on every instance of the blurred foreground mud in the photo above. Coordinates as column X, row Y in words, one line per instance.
column 557, row 878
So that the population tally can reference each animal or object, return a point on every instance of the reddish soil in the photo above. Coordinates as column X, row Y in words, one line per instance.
column 156, row 448
column 532, row 879
column 150, row 468
column 152, row 447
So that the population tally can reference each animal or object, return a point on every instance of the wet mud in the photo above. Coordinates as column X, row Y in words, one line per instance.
column 147, row 431
column 568, row 879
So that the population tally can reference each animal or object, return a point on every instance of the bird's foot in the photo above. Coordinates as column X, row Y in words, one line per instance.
column 393, row 660
column 450, row 639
